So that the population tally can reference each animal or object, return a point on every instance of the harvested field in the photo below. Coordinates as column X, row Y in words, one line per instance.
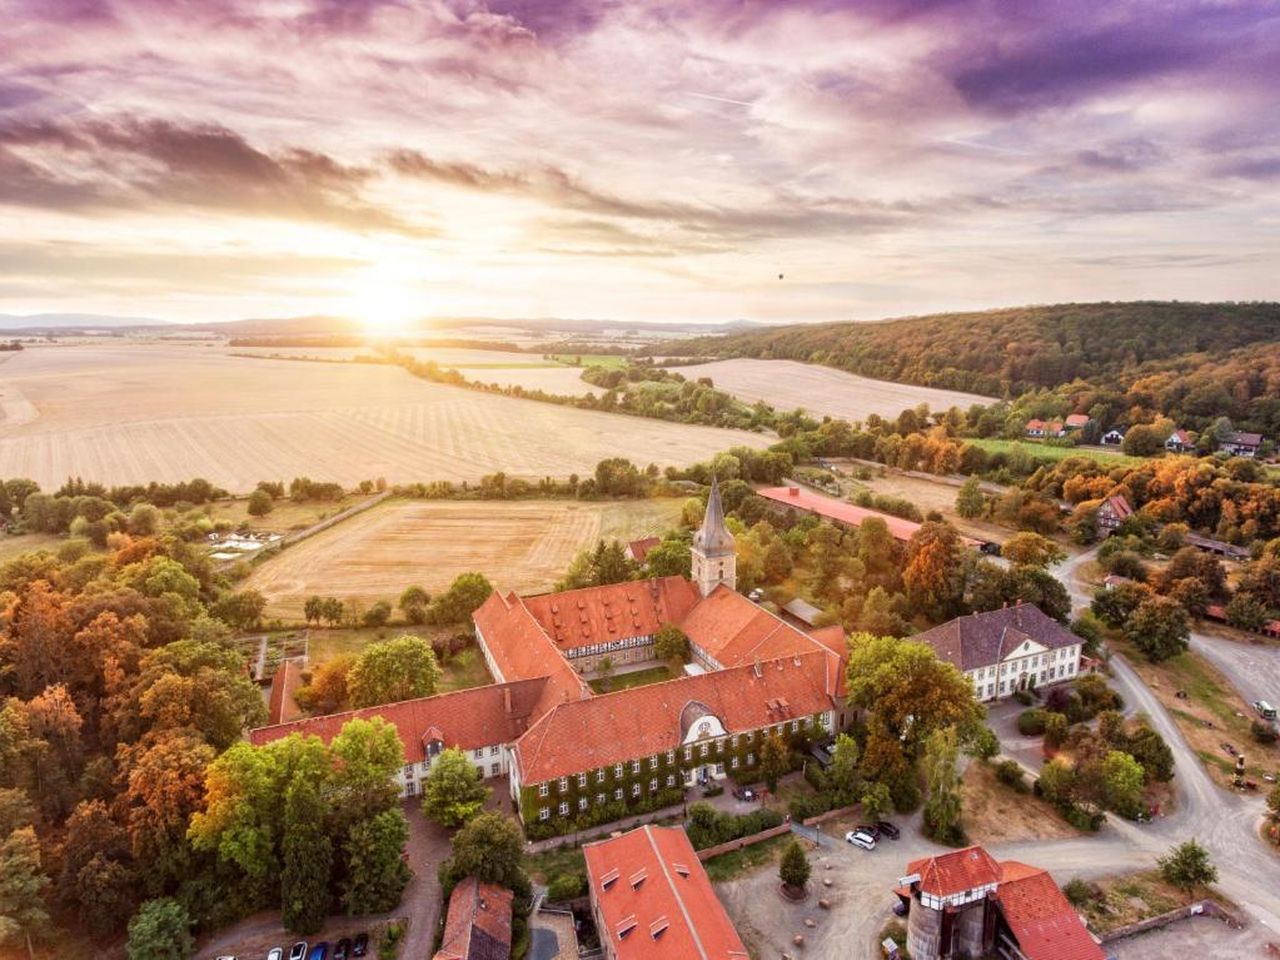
column 788, row 384
column 133, row 412
column 520, row 545
column 928, row 495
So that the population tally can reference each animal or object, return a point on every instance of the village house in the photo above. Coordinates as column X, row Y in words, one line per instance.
column 965, row 903
column 1034, row 428
column 1003, row 651
column 1113, row 437
column 637, row 550
column 1180, row 441
column 652, row 899
column 1077, row 421
column 478, row 924
column 572, row 756
column 1241, row 444
column 1112, row 512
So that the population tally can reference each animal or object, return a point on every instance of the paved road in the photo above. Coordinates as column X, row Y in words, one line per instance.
column 1253, row 669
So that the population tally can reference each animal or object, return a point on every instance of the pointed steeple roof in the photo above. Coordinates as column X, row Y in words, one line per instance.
column 713, row 537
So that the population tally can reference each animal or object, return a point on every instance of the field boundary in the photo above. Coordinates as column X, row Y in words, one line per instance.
column 297, row 536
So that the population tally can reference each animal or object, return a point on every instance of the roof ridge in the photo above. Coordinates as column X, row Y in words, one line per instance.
column 684, row 911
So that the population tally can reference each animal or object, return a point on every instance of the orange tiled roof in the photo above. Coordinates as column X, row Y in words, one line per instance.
column 479, row 717
column 955, row 872
column 842, row 512
column 522, row 650
column 643, row 721
column 655, row 899
column 1041, row 918
column 640, row 548
column 478, row 925
column 281, row 707
column 618, row 611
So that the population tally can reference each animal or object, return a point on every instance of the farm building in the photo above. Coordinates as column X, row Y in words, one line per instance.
column 1077, row 421
column 637, row 550
column 1034, row 428
column 1241, row 444
column 839, row 511
column 478, row 924
column 1180, row 441
column 1223, row 549
column 1112, row 512
column 1113, row 437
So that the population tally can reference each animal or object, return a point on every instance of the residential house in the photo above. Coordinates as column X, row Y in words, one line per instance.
column 1113, row 437
column 652, row 899
column 1240, row 444
column 637, row 550
column 1034, row 428
column 1077, row 421
column 966, row 903
column 1003, row 651
column 478, row 924
column 1055, row 428
column 1180, row 441
column 1112, row 512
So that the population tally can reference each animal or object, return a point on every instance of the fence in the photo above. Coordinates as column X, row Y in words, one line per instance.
column 1202, row 908
column 741, row 842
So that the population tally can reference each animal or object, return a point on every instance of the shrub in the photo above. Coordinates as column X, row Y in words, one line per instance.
column 713, row 791
column 1263, row 732
column 1024, row 697
column 1078, row 892
column 1010, row 773
column 810, row 805
column 1031, row 723
column 566, row 886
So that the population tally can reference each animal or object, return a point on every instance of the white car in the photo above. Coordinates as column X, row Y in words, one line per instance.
column 277, row 953
column 860, row 839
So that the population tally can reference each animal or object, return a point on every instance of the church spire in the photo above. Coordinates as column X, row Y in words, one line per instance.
column 714, row 558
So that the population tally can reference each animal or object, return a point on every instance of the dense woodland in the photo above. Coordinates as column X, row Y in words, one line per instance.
column 1193, row 362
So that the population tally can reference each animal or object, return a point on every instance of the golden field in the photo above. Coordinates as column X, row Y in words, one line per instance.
column 120, row 412
column 522, row 545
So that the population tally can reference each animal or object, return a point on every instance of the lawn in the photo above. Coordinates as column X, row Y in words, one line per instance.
column 1212, row 712
column 610, row 360
column 463, row 670
column 637, row 678
column 1128, row 898
column 285, row 515
column 542, row 867
column 16, row 546
column 1045, row 451
column 730, row 866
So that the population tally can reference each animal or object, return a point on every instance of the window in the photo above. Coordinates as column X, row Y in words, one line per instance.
column 795, row 726
column 493, row 751
column 408, row 771
column 617, row 794
column 688, row 753
column 564, row 784
column 653, row 762
column 600, row 799
column 671, row 780
column 478, row 753
column 751, row 759
column 617, row 770
column 733, row 764
column 495, row 769
column 582, row 779
column 635, row 766
column 702, row 750
column 582, row 803
column 635, row 789
column 599, row 776
column 653, row 784
column 542, row 789
column 544, row 813
column 733, row 742
column 671, row 756
column 564, row 809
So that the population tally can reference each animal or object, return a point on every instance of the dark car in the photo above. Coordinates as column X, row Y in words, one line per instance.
column 298, row 951
column 992, row 549
column 744, row 793
column 888, row 829
column 320, row 951
column 360, row 946
column 873, row 830
column 342, row 949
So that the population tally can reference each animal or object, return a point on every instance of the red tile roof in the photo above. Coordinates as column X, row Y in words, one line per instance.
column 837, row 510
column 576, row 618
column 1118, row 506
column 1078, row 420
column 955, row 872
column 655, row 899
column 643, row 721
column 478, row 925
column 639, row 549
column 281, row 707
column 1041, row 918
column 479, row 717
column 522, row 650
column 985, row 639
column 1036, row 424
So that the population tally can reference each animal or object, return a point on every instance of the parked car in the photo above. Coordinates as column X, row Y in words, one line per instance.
column 870, row 829
column 320, row 951
column 275, row 953
column 298, row 951
column 360, row 946
column 1229, row 748
column 342, row 949
column 859, row 839
column 887, row 829
column 1265, row 710
column 744, row 793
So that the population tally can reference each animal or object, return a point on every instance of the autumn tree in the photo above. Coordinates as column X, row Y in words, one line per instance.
column 402, row 668
column 307, row 859
column 934, row 574
column 453, row 792
column 775, row 760
column 327, row 692
column 1159, row 627
column 22, row 885
column 1032, row 549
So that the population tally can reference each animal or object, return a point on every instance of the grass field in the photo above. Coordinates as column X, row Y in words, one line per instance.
column 636, row 678
column 14, row 546
column 136, row 412
column 519, row 545
column 610, row 360
column 285, row 515
column 787, row 384
column 462, row 671
column 1053, row 453
column 995, row 813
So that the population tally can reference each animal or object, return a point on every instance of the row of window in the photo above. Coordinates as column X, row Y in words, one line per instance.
column 544, row 813
column 1006, row 685
column 1021, row 666
column 494, row 770
column 591, row 649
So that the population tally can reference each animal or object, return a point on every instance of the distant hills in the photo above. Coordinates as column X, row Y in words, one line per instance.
column 36, row 322
column 1011, row 351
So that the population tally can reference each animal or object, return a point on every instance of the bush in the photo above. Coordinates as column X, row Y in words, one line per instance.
column 1078, row 892
column 714, row 791
column 566, row 886
column 1024, row 697
column 708, row 826
column 810, row 805
column 1263, row 732
column 1010, row 773
column 1031, row 723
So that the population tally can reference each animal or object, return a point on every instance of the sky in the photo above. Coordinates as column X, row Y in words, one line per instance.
column 705, row 160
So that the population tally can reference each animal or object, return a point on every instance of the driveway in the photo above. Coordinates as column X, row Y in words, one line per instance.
column 1253, row 669
column 428, row 846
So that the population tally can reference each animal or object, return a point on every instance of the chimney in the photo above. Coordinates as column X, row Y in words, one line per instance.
column 759, row 671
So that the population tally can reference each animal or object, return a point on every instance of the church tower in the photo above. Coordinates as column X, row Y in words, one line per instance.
column 714, row 559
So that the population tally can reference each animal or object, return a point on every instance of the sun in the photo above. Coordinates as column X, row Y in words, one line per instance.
column 385, row 303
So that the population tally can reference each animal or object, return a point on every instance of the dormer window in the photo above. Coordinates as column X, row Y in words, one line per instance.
column 610, row 878
column 658, row 927
column 626, row 926
column 638, row 878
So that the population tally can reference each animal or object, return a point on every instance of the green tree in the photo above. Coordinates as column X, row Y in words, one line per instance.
column 878, row 616
column 1187, row 866
column 241, row 610
column 22, row 885
column 454, row 791
column 160, row 930
column 670, row 643
column 388, row 671
column 377, row 615
column 775, row 760
column 1057, row 782
column 1159, row 627
column 376, row 874
column 463, row 597
column 970, row 501
column 490, row 848
column 670, row 558
column 794, row 870
column 943, row 805
column 1123, row 781
column 1055, row 730
column 842, row 774
column 307, row 860
column 413, row 603
column 260, row 503
column 366, row 754
column 876, row 801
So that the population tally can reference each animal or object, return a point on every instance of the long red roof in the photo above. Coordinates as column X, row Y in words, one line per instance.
column 841, row 511
column 656, row 900
column 1046, row 925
